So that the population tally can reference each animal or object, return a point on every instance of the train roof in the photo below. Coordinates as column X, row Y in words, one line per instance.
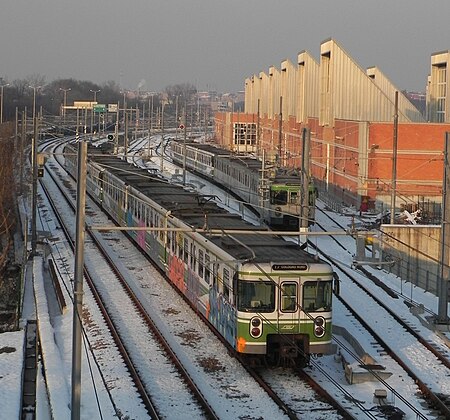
column 200, row 211
column 279, row 175
column 214, row 150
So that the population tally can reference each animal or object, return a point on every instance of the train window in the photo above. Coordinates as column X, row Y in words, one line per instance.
column 293, row 197
column 226, row 283
column 186, row 250
column 215, row 272
column 150, row 219
column 180, row 247
column 278, row 197
column 174, row 242
column 256, row 296
column 193, row 257
column 317, row 296
column 207, row 268
column 289, row 297
column 200, row 263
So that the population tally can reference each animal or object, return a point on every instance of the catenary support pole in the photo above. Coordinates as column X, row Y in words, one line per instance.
column 304, row 205
column 258, row 139
column 116, row 131
column 162, row 138
column 78, row 281
column 34, row 188
column 23, row 140
column 445, row 235
column 280, row 134
column 394, row 161
column 184, row 145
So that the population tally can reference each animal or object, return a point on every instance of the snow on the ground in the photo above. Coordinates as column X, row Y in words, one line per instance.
column 11, row 361
column 52, row 335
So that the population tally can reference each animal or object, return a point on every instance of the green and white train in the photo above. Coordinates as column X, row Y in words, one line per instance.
column 275, row 193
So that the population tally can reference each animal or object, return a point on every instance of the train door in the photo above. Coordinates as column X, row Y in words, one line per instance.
column 288, row 306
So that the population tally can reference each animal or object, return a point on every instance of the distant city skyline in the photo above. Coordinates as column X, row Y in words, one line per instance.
column 212, row 44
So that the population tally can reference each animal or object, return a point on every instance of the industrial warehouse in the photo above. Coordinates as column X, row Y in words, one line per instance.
column 360, row 124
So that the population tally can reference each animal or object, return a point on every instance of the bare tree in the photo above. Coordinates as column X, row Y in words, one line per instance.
column 7, row 191
column 184, row 92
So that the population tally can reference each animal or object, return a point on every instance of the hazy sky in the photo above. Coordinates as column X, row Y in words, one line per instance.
column 214, row 44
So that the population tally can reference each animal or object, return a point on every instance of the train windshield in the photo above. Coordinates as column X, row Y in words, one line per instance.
column 317, row 296
column 279, row 197
column 256, row 296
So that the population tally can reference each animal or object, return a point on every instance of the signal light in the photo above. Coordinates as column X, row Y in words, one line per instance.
column 110, row 136
column 40, row 172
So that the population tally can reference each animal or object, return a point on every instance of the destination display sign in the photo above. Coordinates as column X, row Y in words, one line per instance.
column 288, row 267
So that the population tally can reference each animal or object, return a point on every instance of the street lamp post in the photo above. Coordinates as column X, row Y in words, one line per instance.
column 34, row 99
column 150, row 126
column 1, row 102
column 34, row 149
column 65, row 103
column 125, row 120
column 125, row 92
column 95, row 93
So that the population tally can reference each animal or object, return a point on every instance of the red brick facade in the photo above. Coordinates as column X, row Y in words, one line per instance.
column 355, row 157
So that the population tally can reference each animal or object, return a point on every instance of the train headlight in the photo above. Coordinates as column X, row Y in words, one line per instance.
column 278, row 211
column 255, row 327
column 319, row 326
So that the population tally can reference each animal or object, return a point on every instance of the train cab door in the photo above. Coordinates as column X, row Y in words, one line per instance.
column 288, row 306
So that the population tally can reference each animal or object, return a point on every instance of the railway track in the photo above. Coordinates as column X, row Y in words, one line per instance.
column 339, row 412
column 427, row 365
column 105, row 313
column 291, row 410
column 124, row 343
column 208, row 363
column 438, row 348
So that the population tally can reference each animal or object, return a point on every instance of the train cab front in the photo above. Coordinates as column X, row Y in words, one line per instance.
column 274, row 325
column 264, row 333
